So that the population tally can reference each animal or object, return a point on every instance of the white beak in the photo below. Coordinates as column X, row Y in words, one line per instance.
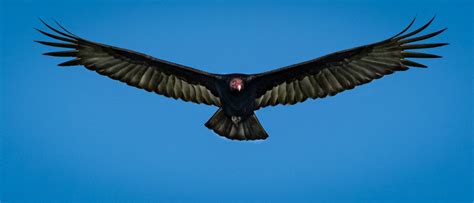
column 239, row 87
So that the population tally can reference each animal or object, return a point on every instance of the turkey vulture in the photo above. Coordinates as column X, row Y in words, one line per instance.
column 238, row 95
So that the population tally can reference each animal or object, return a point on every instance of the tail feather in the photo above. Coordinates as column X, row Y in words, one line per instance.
column 247, row 129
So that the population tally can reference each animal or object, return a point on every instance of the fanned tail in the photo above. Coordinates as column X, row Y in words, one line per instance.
column 247, row 129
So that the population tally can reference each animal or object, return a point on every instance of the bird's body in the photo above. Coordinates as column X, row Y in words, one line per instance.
column 237, row 95
column 235, row 102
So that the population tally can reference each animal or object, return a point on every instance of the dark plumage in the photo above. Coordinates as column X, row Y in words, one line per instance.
column 239, row 95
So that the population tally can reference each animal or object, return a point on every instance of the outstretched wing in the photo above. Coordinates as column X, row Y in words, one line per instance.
column 136, row 69
column 336, row 72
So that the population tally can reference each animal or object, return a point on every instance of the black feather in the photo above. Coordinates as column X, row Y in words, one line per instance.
column 55, row 44
column 55, row 37
column 412, row 63
column 65, row 30
column 73, row 62
column 416, row 31
column 406, row 28
column 62, row 53
column 422, row 37
column 422, row 46
column 419, row 55
column 57, row 31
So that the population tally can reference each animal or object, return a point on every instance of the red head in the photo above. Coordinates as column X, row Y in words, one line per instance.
column 236, row 84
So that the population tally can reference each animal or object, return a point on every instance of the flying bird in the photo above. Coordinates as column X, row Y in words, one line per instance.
column 238, row 95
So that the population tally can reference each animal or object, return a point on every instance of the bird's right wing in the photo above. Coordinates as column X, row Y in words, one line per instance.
column 136, row 69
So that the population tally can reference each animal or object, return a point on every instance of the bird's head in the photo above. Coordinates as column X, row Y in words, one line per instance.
column 236, row 84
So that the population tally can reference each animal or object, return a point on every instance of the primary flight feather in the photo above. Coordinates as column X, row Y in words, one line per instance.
column 239, row 95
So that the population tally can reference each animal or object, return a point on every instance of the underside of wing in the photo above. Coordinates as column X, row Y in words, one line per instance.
column 135, row 69
column 344, row 70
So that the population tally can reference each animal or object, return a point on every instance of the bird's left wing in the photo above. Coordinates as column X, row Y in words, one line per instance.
column 136, row 69
column 342, row 70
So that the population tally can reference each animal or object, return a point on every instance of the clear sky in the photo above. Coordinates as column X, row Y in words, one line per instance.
column 71, row 134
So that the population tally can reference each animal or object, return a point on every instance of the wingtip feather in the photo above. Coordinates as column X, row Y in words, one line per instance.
column 58, row 31
column 418, row 55
column 406, row 28
column 412, row 63
column 416, row 31
column 71, row 53
column 74, row 62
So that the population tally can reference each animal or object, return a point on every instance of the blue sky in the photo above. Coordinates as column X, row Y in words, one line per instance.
column 70, row 134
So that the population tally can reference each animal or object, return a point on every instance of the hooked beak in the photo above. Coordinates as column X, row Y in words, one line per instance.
column 239, row 87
